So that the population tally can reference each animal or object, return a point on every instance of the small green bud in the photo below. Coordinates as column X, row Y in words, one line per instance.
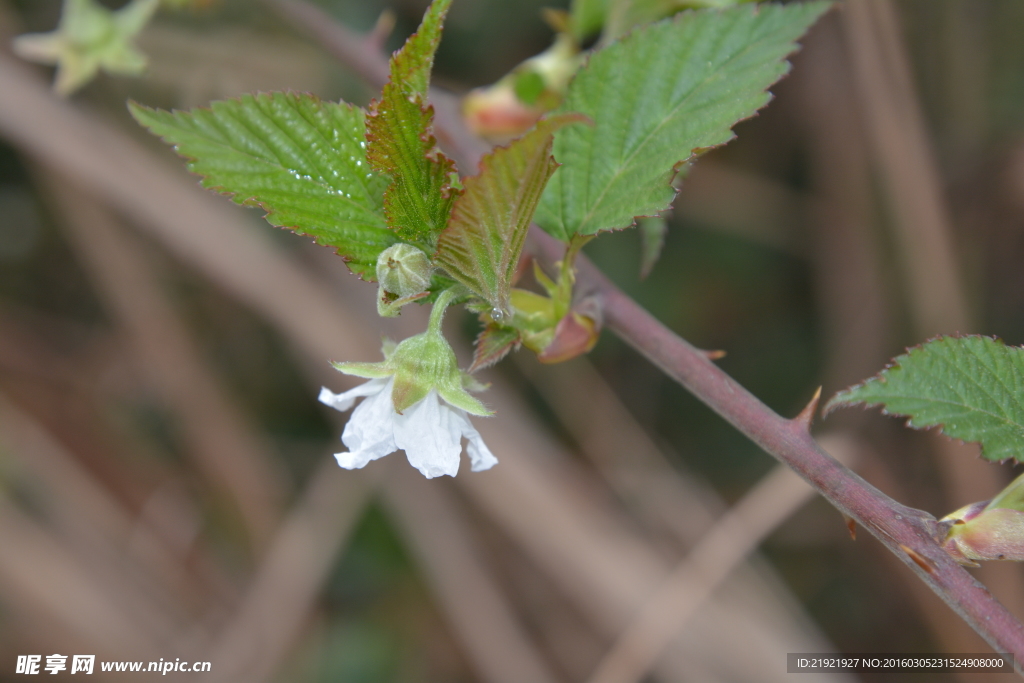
column 403, row 272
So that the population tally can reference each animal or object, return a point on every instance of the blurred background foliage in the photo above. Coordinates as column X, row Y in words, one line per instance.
column 784, row 250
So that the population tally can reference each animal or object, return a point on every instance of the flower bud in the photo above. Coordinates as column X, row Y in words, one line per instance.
column 575, row 335
column 978, row 533
column 512, row 106
column 403, row 269
column 990, row 529
column 403, row 272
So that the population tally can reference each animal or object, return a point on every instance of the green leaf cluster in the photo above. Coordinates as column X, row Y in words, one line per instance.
column 971, row 388
column 658, row 98
column 363, row 182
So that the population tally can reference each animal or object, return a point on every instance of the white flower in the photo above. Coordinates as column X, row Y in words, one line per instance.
column 417, row 401
column 430, row 431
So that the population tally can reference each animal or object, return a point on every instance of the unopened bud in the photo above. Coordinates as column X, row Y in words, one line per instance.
column 497, row 114
column 991, row 534
column 575, row 335
column 403, row 272
column 403, row 269
column 510, row 107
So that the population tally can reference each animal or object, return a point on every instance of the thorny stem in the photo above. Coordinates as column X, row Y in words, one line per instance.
column 914, row 536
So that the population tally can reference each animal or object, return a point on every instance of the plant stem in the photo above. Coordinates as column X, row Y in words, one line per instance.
column 440, row 306
column 912, row 535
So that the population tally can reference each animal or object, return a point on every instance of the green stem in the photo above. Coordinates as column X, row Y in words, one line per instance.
column 567, row 275
column 444, row 299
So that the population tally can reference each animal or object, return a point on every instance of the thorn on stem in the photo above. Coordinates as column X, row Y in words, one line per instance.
column 806, row 415
column 851, row 525
column 717, row 354
column 919, row 559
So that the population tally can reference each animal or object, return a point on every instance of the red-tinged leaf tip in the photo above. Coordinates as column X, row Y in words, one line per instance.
column 400, row 141
column 410, row 66
column 494, row 343
column 806, row 416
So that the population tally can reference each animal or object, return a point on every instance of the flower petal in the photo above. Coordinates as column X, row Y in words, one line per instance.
column 370, row 432
column 345, row 400
column 431, row 435
column 480, row 456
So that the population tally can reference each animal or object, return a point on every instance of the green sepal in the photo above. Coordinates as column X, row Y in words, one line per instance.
column 367, row 370
column 456, row 395
column 1011, row 497
column 993, row 534
column 471, row 383
column 404, row 275
column 426, row 362
column 90, row 37
column 423, row 363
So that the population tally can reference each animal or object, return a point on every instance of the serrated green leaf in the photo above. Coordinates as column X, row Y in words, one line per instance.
column 970, row 387
column 484, row 238
column 401, row 143
column 300, row 159
column 658, row 97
